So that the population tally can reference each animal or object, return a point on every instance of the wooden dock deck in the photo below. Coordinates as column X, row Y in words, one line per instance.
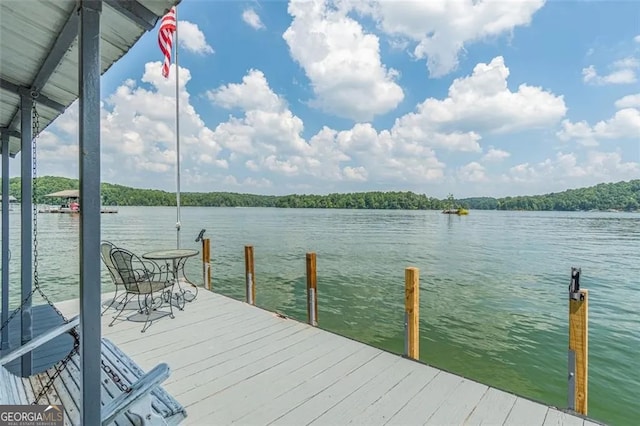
column 235, row 363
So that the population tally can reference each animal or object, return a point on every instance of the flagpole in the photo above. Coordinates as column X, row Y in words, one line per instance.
column 177, row 138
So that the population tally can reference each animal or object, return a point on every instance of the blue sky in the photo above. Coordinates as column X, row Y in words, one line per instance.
column 474, row 98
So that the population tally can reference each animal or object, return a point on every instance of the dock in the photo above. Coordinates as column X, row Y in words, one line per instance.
column 236, row 363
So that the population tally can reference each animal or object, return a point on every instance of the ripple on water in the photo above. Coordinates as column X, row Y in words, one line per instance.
column 493, row 303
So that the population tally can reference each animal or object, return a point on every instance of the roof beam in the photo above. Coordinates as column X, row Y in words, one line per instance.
column 135, row 11
column 41, row 99
column 65, row 37
column 11, row 133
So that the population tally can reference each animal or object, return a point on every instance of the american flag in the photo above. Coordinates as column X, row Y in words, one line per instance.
column 165, row 38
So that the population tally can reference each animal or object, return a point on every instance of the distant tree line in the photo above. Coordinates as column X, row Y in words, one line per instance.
column 606, row 196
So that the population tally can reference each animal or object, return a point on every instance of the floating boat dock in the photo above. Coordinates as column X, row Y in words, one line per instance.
column 67, row 210
column 235, row 363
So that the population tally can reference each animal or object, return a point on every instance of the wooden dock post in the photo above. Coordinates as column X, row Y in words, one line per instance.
column 412, row 312
column 578, row 345
column 206, row 263
column 206, row 259
column 312, row 290
column 250, row 275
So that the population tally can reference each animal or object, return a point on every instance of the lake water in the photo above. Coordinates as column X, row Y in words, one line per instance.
column 493, row 302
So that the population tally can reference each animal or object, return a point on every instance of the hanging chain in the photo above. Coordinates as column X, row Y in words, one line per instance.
column 36, row 279
column 34, row 135
column 62, row 365
column 59, row 368
column 35, row 129
column 115, row 378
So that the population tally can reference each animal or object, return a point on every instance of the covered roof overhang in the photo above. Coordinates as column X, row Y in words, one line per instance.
column 39, row 52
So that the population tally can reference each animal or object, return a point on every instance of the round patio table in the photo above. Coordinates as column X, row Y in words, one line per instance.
column 176, row 259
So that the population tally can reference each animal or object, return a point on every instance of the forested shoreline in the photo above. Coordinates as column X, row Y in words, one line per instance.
column 622, row 196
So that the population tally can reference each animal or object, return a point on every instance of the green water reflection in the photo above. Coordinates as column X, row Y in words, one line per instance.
column 493, row 296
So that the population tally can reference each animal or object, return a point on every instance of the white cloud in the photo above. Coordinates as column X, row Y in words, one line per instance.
column 355, row 173
column 629, row 101
column 388, row 157
column 637, row 38
column 262, row 146
column 264, row 139
column 623, row 71
column 253, row 93
column 233, row 182
column 251, row 18
column 191, row 38
column 138, row 134
column 342, row 62
column 442, row 28
column 625, row 124
column 267, row 139
column 567, row 170
column 628, row 62
column 472, row 172
column 623, row 76
column 398, row 43
column 481, row 102
column 495, row 155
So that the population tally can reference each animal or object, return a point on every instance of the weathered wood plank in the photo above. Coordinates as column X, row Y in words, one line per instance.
column 302, row 391
column 329, row 397
column 526, row 412
column 250, row 400
column 129, row 331
column 200, row 315
column 458, row 405
column 235, row 402
column 558, row 418
column 366, row 395
column 316, row 364
column 190, row 335
column 221, row 376
column 493, row 408
column 70, row 379
column 216, row 353
column 234, row 363
column 396, row 398
column 427, row 400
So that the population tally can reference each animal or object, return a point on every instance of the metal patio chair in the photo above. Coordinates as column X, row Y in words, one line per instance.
column 118, row 297
column 150, row 283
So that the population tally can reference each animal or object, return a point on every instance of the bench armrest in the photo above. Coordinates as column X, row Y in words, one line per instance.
column 39, row 341
column 143, row 386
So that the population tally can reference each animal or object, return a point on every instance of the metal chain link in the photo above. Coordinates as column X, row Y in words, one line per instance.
column 59, row 368
column 62, row 365
column 34, row 151
column 115, row 378
column 35, row 126
column 36, row 279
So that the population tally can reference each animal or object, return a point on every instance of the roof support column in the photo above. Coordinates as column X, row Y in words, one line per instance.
column 89, row 160
column 26, row 226
column 4, row 340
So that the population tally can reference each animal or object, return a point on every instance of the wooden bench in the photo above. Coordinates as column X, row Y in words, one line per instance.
column 139, row 399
